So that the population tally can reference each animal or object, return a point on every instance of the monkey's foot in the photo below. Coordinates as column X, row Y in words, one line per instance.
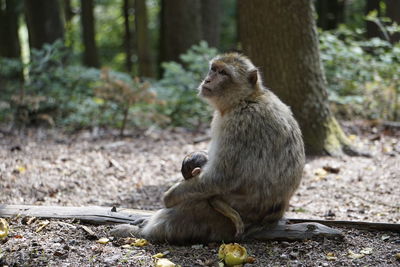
column 125, row 230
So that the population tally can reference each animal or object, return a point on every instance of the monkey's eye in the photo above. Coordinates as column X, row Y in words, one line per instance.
column 223, row 72
column 213, row 69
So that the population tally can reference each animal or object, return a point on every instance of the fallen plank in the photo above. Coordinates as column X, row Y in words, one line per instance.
column 94, row 214
column 361, row 225
column 105, row 215
column 298, row 231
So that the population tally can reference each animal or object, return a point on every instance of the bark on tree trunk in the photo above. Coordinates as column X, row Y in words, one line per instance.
column 43, row 18
column 128, row 35
column 142, row 40
column 281, row 39
column 90, row 55
column 68, row 11
column 180, row 27
column 211, row 21
column 393, row 12
column 10, row 45
column 9, row 15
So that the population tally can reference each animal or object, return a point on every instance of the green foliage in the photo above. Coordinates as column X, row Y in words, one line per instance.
column 59, row 94
column 178, row 87
column 363, row 75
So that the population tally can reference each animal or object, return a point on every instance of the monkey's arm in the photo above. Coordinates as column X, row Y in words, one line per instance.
column 215, row 179
column 193, row 188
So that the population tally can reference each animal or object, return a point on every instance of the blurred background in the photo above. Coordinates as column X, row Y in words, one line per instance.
column 132, row 64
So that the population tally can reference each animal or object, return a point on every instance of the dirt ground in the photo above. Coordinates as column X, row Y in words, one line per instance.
column 45, row 167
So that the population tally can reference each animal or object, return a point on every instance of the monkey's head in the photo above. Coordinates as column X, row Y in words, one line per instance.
column 231, row 78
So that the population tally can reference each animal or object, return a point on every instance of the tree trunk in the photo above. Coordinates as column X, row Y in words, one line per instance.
column 126, row 10
column 330, row 13
column 68, row 12
column 180, row 27
column 90, row 55
column 9, row 16
column 142, row 40
column 393, row 12
column 43, row 18
column 372, row 28
column 211, row 21
column 280, row 37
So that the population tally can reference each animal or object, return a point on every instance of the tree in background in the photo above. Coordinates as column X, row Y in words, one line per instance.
column 142, row 41
column 185, row 23
column 330, row 13
column 280, row 37
column 211, row 21
column 43, row 18
column 9, row 16
column 180, row 27
column 90, row 55
column 128, row 36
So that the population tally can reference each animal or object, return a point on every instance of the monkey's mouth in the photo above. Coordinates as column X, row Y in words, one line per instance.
column 205, row 90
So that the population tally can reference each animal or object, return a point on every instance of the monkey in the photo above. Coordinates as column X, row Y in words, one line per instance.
column 192, row 164
column 191, row 167
column 255, row 162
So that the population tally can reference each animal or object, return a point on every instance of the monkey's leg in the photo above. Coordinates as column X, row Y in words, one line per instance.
column 190, row 222
column 222, row 207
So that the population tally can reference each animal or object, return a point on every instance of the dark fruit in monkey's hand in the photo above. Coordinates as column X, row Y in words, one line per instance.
column 192, row 161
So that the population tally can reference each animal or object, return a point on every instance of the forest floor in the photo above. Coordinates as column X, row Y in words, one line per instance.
column 46, row 167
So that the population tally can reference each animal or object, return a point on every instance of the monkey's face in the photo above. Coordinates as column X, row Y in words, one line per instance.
column 219, row 77
column 231, row 78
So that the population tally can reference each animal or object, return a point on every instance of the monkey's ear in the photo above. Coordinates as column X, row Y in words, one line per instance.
column 253, row 76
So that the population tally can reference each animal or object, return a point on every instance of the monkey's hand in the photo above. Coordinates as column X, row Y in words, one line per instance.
column 190, row 189
column 170, row 198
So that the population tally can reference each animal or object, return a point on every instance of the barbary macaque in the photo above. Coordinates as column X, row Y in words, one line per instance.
column 255, row 162
column 191, row 166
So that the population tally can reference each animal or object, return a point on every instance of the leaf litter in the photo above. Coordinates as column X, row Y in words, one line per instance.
column 51, row 168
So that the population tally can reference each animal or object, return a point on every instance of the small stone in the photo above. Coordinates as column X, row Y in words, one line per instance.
column 284, row 256
column 294, row 254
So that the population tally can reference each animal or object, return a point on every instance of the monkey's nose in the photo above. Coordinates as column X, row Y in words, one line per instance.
column 207, row 81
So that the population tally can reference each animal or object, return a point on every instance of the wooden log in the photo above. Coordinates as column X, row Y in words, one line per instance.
column 361, row 225
column 94, row 214
column 288, row 229
column 298, row 231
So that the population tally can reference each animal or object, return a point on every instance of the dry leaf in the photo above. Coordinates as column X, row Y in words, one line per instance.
column 30, row 220
column 352, row 137
column 320, row 174
column 159, row 255
column 20, row 169
column 165, row 263
column 42, row 225
column 352, row 255
column 331, row 256
column 88, row 231
column 366, row 251
column 103, row 240
column 4, row 228
column 140, row 243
